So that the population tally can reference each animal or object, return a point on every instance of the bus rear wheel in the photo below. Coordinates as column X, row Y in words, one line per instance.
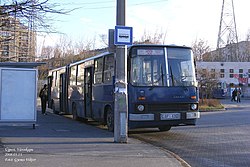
column 110, row 119
column 164, row 128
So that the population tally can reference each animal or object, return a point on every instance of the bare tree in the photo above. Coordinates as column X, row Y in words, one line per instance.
column 104, row 40
column 152, row 38
column 21, row 20
column 245, row 48
column 47, row 52
column 35, row 11
column 34, row 14
column 201, row 50
column 208, row 81
column 65, row 52
column 248, row 36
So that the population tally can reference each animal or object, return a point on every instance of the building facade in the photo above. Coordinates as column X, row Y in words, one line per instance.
column 229, row 74
column 239, row 52
column 17, row 41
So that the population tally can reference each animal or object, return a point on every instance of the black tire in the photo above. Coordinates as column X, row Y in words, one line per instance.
column 74, row 112
column 110, row 120
column 164, row 128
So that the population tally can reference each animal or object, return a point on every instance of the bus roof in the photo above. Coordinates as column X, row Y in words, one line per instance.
column 57, row 69
column 157, row 45
column 106, row 53
column 90, row 58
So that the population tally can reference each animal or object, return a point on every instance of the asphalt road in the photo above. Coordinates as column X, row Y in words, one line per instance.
column 220, row 139
column 58, row 141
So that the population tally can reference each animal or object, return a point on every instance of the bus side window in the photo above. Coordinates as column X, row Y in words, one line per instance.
column 73, row 75
column 108, row 68
column 54, row 79
column 98, row 71
column 80, row 77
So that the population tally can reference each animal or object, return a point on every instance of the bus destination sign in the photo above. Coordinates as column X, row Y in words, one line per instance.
column 151, row 52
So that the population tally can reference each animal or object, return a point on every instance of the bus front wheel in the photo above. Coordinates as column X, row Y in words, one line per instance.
column 164, row 128
column 110, row 119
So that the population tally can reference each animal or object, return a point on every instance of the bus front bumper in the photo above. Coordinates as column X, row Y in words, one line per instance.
column 164, row 116
column 162, row 119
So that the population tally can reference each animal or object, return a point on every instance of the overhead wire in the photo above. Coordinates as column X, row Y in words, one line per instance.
column 82, row 5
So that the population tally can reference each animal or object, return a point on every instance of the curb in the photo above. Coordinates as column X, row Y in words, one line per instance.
column 214, row 110
column 178, row 158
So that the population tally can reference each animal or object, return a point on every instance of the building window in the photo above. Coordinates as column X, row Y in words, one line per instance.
column 203, row 73
column 231, row 75
column 240, row 75
column 249, row 71
column 212, row 75
column 231, row 70
column 222, row 70
column 240, row 70
column 222, row 75
column 213, row 70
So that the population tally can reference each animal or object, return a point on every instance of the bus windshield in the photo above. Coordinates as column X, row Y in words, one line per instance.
column 162, row 67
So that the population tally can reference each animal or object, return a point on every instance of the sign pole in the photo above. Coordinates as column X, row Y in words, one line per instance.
column 120, row 110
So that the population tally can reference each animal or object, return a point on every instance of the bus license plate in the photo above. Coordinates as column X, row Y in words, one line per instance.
column 170, row 116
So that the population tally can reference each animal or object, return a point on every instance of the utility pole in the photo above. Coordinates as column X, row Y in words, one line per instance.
column 121, row 102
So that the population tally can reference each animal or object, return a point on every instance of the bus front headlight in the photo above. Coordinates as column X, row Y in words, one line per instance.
column 140, row 107
column 194, row 106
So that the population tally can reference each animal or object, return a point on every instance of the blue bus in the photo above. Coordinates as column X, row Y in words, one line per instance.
column 162, row 87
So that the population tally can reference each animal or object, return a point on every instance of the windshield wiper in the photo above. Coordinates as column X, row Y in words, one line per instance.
column 176, row 80
column 162, row 76
column 172, row 76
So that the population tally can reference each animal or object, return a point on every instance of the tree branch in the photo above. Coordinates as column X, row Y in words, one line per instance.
column 33, row 10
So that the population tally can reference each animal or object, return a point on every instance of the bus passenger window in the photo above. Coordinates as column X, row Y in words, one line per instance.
column 80, row 74
column 54, row 78
column 98, row 71
column 108, row 69
column 73, row 75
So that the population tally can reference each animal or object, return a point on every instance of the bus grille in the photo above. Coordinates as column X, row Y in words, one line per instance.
column 168, row 107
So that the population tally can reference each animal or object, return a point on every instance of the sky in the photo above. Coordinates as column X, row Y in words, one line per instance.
column 182, row 21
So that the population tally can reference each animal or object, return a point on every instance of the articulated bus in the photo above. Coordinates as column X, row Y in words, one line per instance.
column 162, row 88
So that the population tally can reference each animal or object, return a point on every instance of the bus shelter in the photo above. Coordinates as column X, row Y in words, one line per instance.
column 18, row 92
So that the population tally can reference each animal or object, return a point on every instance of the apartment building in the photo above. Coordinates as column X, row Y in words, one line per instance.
column 17, row 41
column 230, row 74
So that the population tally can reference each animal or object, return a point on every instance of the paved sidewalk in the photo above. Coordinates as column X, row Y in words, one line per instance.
column 227, row 103
column 62, row 142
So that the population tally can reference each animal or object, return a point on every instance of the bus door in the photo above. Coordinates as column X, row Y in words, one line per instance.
column 62, row 93
column 49, row 91
column 88, row 91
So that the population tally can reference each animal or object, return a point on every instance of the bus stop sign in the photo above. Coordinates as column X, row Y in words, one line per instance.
column 123, row 35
